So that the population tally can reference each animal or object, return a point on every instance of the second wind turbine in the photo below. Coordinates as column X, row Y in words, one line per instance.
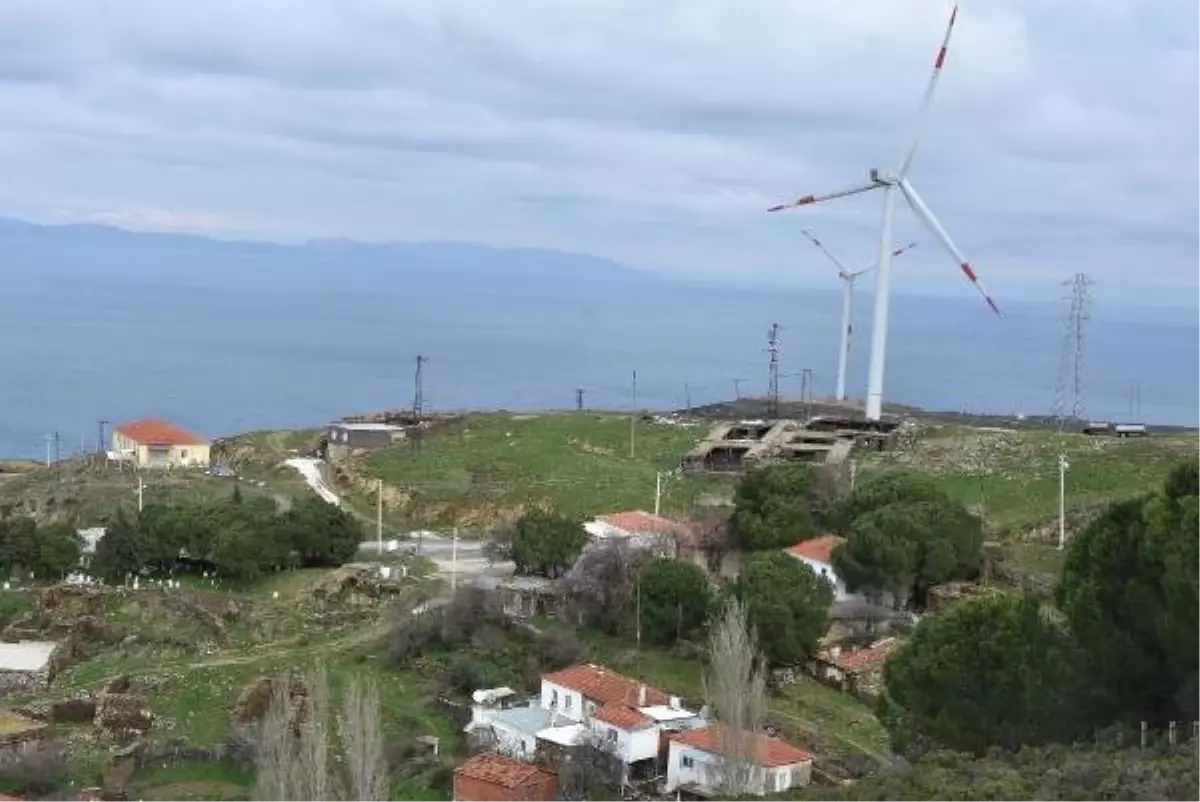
column 847, row 277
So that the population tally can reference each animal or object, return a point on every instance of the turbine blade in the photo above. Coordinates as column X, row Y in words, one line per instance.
column 927, row 99
column 875, row 263
column 842, row 271
column 926, row 216
column 807, row 199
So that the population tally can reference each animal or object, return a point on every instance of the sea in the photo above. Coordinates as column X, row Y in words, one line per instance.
column 231, row 350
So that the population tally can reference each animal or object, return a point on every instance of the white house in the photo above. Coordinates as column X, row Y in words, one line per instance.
column 639, row 529
column 696, row 762
column 586, row 700
column 817, row 553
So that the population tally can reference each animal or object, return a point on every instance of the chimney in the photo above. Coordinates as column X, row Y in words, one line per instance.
column 642, row 695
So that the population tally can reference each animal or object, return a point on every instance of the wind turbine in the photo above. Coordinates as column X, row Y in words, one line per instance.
column 847, row 278
column 891, row 183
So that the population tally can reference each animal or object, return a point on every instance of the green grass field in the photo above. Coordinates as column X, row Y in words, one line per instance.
column 1012, row 476
column 580, row 463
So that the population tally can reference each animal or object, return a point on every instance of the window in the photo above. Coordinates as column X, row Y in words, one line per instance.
column 183, row 453
column 566, row 701
column 686, row 761
column 553, row 698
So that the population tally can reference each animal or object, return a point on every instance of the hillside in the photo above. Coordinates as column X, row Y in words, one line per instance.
column 487, row 467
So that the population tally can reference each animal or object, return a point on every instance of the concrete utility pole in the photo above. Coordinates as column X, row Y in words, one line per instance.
column 633, row 421
column 141, row 492
column 454, row 560
column 773, row 372
column 379, row 514
column 658, row 477
column 687, row 397
column 100, row 424
column 579, row 399
column 1063, row 465
column 49, row 439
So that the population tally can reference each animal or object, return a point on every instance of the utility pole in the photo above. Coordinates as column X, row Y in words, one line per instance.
column 100, row 424
column 1135, row 402
column 806, row 391
column 687, row 398
column 853, row 473
column 418, row 410
column 657, row 492
column 379, row 514
column 141, row 491
column 1063, row 465
column 737, row 389
column 454, row 560
column 633, row 421
column 579, row 399
column 773, row 372
column 48, row 441
column 1070, row 370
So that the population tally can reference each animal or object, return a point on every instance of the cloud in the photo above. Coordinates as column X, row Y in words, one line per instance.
column 1064, row 133
column 149, row 219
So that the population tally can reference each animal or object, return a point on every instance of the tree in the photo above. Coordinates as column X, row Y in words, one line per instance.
column 881, row 490
column 18, row 544
column 988, row 672
column 675, row 599
column 601, row 584
column 787, row 604
column 362, row 742
column 320, row 533
column 772, row 507
column 121, row 551
column 546, row 543
column 736, row 689
column 906, row 546
column 58, row 549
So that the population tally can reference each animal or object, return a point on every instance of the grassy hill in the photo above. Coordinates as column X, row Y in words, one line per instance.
column 489, row 466
column 1011, row 476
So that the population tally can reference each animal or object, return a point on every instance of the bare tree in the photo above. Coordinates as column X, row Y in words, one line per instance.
column 602, row 583
column 276, row 746
column 314, row 742
column 589, row 770
column 362, row 741
column 735, row 686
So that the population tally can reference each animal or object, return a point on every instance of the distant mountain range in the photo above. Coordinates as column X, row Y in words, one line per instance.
column 120, row 253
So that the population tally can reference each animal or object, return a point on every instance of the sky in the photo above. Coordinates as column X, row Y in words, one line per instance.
column 1063, row 138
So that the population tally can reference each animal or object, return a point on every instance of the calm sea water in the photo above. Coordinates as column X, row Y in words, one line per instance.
column 236, row 352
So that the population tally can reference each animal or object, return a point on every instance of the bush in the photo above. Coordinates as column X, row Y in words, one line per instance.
column 34, row 768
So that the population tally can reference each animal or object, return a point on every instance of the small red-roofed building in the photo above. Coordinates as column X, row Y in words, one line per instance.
column 856, row 670
column 155, row 443
column 490, row 777
column 697, row 761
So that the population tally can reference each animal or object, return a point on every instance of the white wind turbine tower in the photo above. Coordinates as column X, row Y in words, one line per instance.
column 847, row 278
column 891, row 183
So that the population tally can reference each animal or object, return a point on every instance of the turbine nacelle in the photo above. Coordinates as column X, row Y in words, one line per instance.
column 883, row 178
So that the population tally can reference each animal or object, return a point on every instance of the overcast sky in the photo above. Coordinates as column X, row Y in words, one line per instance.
column 1063, row 138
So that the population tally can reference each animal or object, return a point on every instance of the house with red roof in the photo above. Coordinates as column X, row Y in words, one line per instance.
column 857, row 670
column 582, row 704
column 817, row 554
column 490, row 777
column 697, row 761
column 156, row 443
column 639, row 529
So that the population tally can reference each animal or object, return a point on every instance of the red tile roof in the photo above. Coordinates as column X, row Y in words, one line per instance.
column 640, row 522
column 502, row 771
column 855, row 661
column 772, row 751
column 623, row 717
column 818, row 548
column 605, row 687
column 156, row 432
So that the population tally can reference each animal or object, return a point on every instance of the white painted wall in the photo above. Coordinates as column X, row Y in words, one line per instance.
column 513, row 743
column 826, row 570
column 687, row 765
column 630, row 746
column 567, row 702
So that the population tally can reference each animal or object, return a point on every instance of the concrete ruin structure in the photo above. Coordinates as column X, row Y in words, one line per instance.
column 735, row 447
